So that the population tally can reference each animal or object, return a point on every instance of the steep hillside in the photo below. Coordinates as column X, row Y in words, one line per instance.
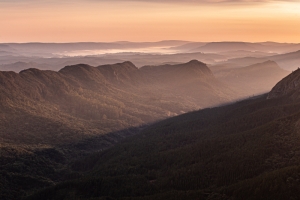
column 251, row 80
column 247, row 150
column 287, row 86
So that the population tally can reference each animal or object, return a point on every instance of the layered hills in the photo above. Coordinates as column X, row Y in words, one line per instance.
column 193, row 81
column 247, row 150
column 50, row 118
column 54, row 56
column 225, row 46
column 288, row 61
column 214, row 47
column 250, row 80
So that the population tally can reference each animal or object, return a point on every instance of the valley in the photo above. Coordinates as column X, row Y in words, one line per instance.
column 59, row 120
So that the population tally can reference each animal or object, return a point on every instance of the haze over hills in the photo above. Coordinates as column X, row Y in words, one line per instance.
column 7, row 63
column 268, row 47
column 52, row 49
column 186, row 77
column 247, row 150
column 224, row 46
column 244, row 53
column 256, row 79
column 119, row 93
column 118, row 96
column 81, row 109
column 288, row 61
column 54, row 56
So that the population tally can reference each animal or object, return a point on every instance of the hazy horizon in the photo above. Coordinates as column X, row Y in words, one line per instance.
column 147, row 41
column 149, row 20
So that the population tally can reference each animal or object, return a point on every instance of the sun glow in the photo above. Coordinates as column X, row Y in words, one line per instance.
column 148, row 21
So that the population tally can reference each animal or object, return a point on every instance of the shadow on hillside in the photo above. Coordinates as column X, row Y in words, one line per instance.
column 102, row 142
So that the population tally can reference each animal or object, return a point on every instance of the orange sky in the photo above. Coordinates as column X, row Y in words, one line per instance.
column 149, row 20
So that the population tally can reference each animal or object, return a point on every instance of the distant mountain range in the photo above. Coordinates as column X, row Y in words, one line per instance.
column 175, row 46
column 52, row 49
column 288, row 61
column 54, row 56
column 268, row 47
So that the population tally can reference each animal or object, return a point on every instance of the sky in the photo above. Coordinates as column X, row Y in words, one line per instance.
column 149, row 20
